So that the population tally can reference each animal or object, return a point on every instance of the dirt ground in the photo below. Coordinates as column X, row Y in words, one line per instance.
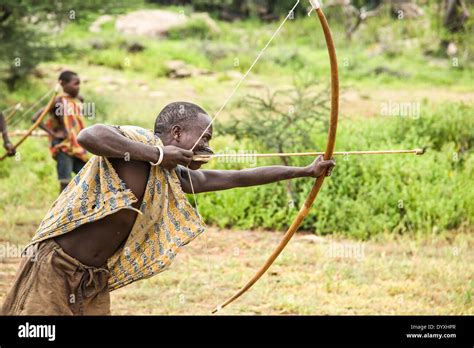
column 314, row 275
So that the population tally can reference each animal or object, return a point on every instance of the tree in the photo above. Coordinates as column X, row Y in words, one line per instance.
column 456, row 14
column 28, row 29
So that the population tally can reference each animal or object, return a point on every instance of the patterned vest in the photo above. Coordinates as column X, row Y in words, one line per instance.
column 166, row 221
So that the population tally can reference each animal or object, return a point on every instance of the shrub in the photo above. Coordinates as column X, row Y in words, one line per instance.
column 368, row 195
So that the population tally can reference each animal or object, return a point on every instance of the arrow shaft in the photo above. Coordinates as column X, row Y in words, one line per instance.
column 300, row 154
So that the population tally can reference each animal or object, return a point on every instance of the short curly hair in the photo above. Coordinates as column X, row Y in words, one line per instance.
column 67, row 76
column 177, row 113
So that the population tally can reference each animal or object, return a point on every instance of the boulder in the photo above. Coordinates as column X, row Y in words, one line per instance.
column 151, row 23
column 177, row 69
column 133, row 47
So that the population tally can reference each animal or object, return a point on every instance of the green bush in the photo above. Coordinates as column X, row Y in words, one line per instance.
column 369, row 195
column 196, row 28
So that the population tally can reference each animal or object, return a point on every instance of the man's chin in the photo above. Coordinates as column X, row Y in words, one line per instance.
column 195, row 165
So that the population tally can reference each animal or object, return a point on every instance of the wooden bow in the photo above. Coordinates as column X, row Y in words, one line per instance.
column 327, row 155
column 36, row 123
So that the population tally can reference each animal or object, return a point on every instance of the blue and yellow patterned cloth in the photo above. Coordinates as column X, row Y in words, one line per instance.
column 166, row 220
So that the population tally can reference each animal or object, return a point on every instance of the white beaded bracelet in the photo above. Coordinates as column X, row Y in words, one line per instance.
column 160, row 159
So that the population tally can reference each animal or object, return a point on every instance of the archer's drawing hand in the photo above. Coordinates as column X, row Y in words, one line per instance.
column 172, row 156
column 319, row 166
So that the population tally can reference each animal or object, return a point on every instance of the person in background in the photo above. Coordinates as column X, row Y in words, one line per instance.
column 63, row 126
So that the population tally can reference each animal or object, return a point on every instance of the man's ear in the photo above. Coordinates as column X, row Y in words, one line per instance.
column 176, row 131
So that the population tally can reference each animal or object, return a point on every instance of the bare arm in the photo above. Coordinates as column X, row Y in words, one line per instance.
column 6, row 140
column 3, row 128
column 107, row 141
column 215, row 180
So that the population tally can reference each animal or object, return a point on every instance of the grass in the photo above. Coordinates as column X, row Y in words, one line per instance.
column 314, row 275
column 428, row 273
column 400, row 46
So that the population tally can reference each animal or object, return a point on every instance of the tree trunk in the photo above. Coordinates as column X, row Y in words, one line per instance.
column 456, row 14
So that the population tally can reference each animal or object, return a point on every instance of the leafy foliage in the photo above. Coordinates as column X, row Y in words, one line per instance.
column 367, row 196
column 28, row 33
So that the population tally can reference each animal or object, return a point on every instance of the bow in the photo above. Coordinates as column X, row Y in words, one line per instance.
column 37, row 122
column 327, row 155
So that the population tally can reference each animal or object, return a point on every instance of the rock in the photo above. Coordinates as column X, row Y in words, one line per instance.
column 387, row 71
column 200, row 72
column 177, row 69
column 134, row 47
column 452, row 49
column 151, row 23
column 98, row 44
column 180, row 73
column 175, row 64
column 255, row 84
column 96, row 26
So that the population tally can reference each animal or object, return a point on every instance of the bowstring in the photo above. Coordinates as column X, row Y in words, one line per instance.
column 12, row 114
column 275, row 33
column 17, row 119
column 246, row 74
column 8, row 109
